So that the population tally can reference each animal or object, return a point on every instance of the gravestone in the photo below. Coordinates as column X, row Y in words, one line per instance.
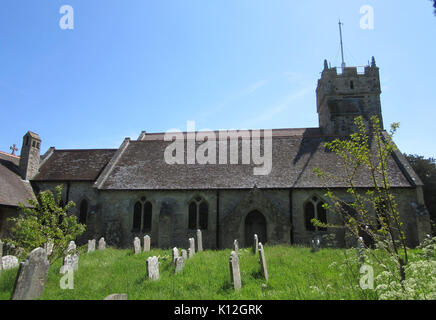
column 153, row 268
column 184, row 254
column 235, row 271
column 255, row 244
column 316, row 243
column 32, row 276
column 175, row 253
column 199, row 241
column 236, row 246
column 179, row 264
column 48, row 247
column 1, row 249
column 137, row 245
column 191, row 247
column 91, row 245
column 360, row 247
column 9, row 262
column 190, row 255
column 71, row 247
column 101, row 244
column 72, row 260
column 262, row 261
column 147, row 241
column 117, row 296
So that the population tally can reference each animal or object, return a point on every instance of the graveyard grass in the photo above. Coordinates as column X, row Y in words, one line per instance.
column 293, row 271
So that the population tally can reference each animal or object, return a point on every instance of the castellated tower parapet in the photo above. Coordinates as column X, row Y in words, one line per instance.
column 342, row 96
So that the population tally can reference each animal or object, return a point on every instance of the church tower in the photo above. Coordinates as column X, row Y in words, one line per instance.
column 344, row 95
column 30, row 155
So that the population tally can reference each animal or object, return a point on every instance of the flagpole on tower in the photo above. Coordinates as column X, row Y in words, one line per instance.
column 342, row 46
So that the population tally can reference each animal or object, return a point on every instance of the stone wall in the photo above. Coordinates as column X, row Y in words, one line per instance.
column 111, row 215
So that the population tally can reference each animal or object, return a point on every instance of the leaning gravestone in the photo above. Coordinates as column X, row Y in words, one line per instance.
column 235, row 271
column 147, row 241
column 72, row 260
column 262, row 261
column 153, row 268
column 137, row 245
column 236, row 246
column 179, row 264
column 91, row 245
column 117, row 296
column 9, row 262
column 101, row 244
column 184, row 254
column 192, row 246
column 175, row 253
column 199, row 241
column 32, row 275
column 255, row 244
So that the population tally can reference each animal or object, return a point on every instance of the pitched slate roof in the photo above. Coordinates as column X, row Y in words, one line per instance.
column 12, row 188
column 140, row 165
column 73, row 165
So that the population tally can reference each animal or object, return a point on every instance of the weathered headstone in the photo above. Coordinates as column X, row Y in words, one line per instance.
column 316, row 243
column 101, row 244
column 48, row 247
column 153, row 268
column 179, row 264
column 191, row 247
column 360, row 248
column 71, row 247
column 91, row 245
column 184, row 254
column 190, row 255
column 199, row 241
column 262, row 261
column 72, row 260
column 117, row 296
column 1, row 249
column 137, row 245
column 32, row 276
column 147, row 241
column 9, row 262
column 235, row 271
column 175, row 253
column 236, row 246
column 255, row 244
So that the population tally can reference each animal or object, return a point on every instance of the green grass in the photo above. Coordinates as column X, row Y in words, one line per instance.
column 292, row 272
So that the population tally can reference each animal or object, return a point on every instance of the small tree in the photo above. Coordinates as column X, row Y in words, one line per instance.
column 372, row 211
column 45, row 220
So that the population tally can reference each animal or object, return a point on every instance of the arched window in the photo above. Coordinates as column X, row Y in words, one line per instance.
column 322, row 215
column 83, row 211
column 314, row 209
column 204, row 213
column 192, row 223
column 137, row 212
column 198, row 214
column 309, row 211
column 148, row 211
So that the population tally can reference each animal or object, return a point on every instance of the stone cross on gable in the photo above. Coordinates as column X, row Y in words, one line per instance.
column 13, row 149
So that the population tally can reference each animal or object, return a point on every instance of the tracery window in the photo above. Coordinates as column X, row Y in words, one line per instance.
column 313, row 209
column 198, row 214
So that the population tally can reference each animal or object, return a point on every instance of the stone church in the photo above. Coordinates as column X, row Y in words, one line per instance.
column 131, row 191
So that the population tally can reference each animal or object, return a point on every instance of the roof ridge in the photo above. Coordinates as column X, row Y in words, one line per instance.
column 92, row 149
column 10, row 155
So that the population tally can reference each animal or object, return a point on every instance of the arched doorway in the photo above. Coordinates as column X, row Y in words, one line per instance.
column 255, row 223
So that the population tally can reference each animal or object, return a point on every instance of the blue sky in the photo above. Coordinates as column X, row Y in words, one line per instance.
column 152, row 65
